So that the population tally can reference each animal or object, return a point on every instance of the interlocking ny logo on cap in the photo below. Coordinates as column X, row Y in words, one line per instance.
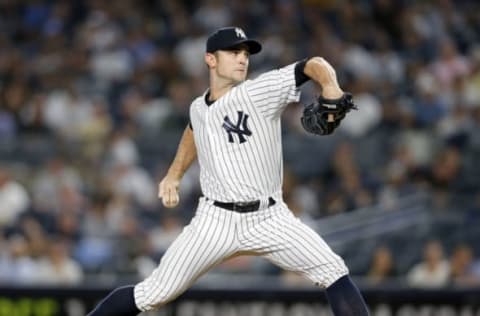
column 240, row 33
column 229, row 37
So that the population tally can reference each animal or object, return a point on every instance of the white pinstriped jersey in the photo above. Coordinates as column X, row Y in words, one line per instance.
column 238, row 140
column 238, row 137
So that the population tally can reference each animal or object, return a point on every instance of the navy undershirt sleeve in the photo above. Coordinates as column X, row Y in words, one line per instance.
column 300, row 76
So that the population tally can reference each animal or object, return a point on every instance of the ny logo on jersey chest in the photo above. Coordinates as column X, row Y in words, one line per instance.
column 240, row 128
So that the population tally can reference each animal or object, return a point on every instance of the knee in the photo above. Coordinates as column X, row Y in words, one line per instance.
column 331, row 272
column 150, row 298
column 339, row 269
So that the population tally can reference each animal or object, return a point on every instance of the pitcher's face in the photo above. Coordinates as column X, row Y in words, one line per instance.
column 231, row 65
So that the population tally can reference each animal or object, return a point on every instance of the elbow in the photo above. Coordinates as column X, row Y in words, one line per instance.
column 315, row 65
column 320, row 70
column 317, row 59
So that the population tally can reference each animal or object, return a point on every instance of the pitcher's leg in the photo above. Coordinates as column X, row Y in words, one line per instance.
column 119, row 302
column 202, row 245
column 297, row 247
column 284, row 240
column 205, row 242
column 345, row 298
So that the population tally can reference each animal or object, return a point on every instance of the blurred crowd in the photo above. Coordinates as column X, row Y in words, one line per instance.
column 94, row 95
column 435, row 268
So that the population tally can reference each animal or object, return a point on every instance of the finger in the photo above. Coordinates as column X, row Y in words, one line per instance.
column 330, row 118
column 166, row 197
column 166, row 201
column 174, row 199
column 171, row 198
column 160, row 190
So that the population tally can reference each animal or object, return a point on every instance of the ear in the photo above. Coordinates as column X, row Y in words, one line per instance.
column 210, row 60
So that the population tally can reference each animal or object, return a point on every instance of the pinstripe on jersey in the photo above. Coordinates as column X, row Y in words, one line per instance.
column 238, row 141
column 215, row 234
column 253, row 169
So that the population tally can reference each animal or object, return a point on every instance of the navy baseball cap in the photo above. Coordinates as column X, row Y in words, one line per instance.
column 229, row 37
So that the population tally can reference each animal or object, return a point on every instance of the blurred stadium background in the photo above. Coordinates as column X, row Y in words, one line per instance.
column 94, row 95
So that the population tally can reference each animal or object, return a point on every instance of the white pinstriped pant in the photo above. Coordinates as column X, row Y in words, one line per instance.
column 215, row 234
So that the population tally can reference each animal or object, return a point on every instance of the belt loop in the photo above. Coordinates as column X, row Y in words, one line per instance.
column 208, row 201
column 263, row 203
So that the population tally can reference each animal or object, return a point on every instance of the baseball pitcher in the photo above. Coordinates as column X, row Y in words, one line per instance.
column 235, row 132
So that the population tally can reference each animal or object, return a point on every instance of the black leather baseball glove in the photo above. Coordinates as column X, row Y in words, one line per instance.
column 315, row 117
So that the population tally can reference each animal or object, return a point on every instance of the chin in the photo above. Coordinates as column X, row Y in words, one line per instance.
column 239, row 79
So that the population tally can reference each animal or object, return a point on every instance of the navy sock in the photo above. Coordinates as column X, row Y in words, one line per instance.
column 120, row 302
column 345, row 298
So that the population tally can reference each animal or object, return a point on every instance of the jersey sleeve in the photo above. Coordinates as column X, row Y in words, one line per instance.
column 272, row 91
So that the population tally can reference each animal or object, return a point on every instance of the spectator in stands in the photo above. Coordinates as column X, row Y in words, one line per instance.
column 4, row 259
column 14, row 199
column 131, row 244
column 134, row 181
column 67, row 226
column 122, row 149
column 94, row 249
column 58, row 268
column 164, row 234
column 461, row 267
column 35, row 235
column 48, row 184
column 94, row 131
column 428, row 107
column 347, row 190
column 32, row 115
column 471, row 90
column 433, row 271
column 397, row 173
column 444, row 174
column 382, row 267
column 19, row 267
column 8, row 128
column 449, row 65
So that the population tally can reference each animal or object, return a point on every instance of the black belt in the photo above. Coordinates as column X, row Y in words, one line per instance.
column 243, row 207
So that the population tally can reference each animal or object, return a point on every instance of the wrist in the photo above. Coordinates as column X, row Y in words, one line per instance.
column 174, row 174
column 331, row 91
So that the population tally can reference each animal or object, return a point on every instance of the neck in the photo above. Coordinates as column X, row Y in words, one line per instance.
column 219, row 86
